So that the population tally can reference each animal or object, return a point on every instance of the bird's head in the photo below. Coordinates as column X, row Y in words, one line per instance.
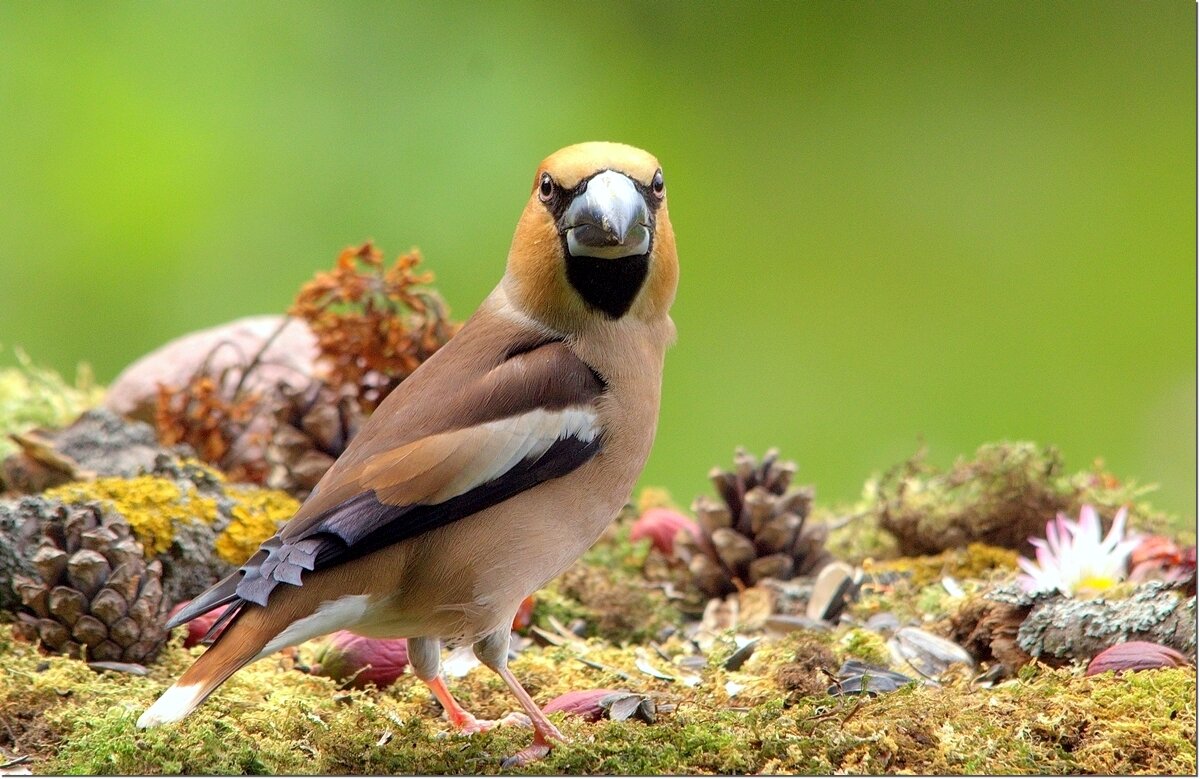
column 594, row 241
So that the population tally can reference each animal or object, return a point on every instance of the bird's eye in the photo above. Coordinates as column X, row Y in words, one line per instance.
column 545, row 188
column 657, row 184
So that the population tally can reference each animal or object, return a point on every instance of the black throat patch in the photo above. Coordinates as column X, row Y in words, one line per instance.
column 608, row 285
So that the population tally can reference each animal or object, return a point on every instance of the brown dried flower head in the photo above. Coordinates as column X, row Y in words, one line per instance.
column 374, row 325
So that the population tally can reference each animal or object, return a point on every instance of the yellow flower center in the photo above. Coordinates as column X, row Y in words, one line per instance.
column 1094, row 585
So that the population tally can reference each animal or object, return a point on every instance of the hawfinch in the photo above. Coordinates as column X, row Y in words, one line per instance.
column 494, row 466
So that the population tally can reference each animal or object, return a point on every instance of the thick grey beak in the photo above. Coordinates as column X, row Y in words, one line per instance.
column 609, row 219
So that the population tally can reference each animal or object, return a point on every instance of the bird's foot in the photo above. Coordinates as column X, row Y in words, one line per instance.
column 536, row 751
column 467, row 723
column 544, row 736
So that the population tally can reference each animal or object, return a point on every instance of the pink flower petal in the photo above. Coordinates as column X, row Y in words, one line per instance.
column 661, row 525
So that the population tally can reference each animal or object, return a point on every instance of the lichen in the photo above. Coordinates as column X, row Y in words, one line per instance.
column 152, row 505
column 975, row 561
column 256, row 516
column 1079, row 629
column 189, row 517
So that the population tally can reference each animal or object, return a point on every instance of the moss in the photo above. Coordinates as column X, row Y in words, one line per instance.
column 1002, row 496
column 975, row 561
column 38, row 397
column 865, row 645
column 607, row 590
column 855, row 534
column 256, row 515
column 269, row 719
column 810, row 669
column 621, row 609
column 152, row 505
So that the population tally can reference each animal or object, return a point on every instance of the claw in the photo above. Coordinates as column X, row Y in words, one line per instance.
column 530, row 754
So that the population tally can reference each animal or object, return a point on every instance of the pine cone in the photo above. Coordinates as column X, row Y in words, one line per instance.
column 313, row 427
column 92, row 588
column 755, row 530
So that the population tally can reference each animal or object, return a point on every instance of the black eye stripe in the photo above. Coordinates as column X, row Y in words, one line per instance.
column 561, row 198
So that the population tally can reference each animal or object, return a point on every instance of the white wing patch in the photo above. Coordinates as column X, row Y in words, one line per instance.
column 513, row 439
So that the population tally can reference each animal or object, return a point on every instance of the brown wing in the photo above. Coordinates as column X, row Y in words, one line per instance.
column 471, row 428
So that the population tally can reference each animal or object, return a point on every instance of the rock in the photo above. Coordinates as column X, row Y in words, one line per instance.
column 98, row 443
column 836, row 586
column 288, row 360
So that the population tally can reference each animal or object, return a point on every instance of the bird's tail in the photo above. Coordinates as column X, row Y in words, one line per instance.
column 239, row 644
column 296, row 615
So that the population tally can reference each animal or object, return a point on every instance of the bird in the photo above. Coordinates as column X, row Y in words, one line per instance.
column 491, row 468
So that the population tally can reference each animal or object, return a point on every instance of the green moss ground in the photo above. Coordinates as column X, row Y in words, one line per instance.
column 272, row 719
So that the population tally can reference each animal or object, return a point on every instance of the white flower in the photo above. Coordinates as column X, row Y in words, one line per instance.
column 1073, row 557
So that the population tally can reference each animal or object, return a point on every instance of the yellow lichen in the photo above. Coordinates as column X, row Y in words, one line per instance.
column 256, row 516
column 152, row 505
column 973, row 562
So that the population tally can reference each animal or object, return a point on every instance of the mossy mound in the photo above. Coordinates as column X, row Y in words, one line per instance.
column 1001, row 497
column 273, row 719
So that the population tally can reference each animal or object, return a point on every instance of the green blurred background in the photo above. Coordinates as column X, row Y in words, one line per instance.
column 897, row 222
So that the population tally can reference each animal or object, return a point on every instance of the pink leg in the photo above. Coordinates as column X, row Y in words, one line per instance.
column 462, row 720
column 544, row 731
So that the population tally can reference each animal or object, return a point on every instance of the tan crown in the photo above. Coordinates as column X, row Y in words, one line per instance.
column 536, row 281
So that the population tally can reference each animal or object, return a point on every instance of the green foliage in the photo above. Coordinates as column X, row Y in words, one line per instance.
column 33, row 396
